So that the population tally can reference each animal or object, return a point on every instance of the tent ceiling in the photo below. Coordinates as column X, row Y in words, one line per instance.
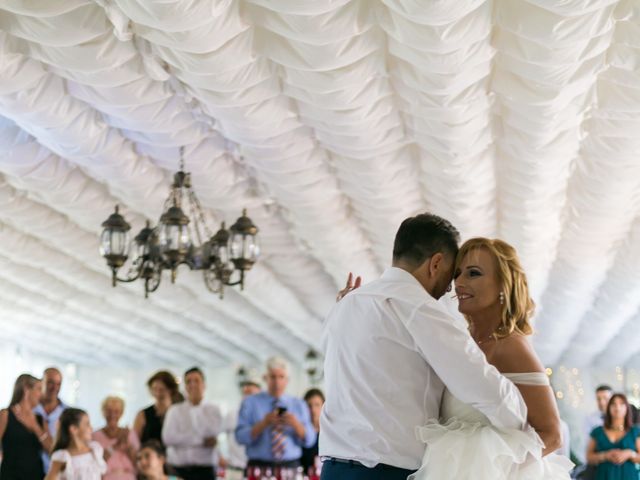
column 330, row 121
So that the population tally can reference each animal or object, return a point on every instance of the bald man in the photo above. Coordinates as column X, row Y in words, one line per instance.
column 50, row 406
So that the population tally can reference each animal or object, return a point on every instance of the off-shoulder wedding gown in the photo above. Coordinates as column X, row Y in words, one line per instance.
column 464, row 445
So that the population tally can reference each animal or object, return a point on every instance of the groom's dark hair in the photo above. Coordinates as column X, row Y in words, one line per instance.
column 422, row 236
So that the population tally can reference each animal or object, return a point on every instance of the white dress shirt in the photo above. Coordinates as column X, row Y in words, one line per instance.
column 184, row 430
column 389, row 346
column 592, row 421
column 236, row 454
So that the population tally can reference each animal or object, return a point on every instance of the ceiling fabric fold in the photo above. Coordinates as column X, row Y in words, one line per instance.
column 331, row 122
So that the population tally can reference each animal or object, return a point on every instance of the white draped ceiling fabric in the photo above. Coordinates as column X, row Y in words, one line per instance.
column 331, row 121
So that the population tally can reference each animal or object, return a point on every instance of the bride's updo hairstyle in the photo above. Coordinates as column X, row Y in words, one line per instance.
column 518, row 306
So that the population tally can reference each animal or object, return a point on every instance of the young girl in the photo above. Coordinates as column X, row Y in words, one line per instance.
column 75, row 456
column 151, row 460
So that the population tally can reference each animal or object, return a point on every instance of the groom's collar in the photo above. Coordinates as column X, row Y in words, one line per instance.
column 396, row 274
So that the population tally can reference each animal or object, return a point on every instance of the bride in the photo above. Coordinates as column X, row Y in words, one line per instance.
column 493, row 296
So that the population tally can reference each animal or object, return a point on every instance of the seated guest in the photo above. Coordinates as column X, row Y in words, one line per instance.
column 120, row 444
column 148, row 422
column 614, row 448
column 315, row 400
column 274, row 426
column 151, row 461
column 24, row 434
column 50, row 407
column 190, row 430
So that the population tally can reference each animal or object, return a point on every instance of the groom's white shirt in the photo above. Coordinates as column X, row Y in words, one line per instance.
column 387, row 346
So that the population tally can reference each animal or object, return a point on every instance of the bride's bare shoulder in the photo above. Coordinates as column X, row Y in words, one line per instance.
column 515, row 354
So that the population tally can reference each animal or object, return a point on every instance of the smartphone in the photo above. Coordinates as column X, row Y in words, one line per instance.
column 282, row 410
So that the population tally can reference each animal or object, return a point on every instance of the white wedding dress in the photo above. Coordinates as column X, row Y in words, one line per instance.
column 464, row 445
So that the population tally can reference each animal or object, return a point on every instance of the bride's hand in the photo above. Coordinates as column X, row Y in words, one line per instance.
column 351, row 285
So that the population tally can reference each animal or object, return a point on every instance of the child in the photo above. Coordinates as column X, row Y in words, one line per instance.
column 151, row 460
column 75, row 456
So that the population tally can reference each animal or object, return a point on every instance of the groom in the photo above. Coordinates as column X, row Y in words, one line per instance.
column 390, row 350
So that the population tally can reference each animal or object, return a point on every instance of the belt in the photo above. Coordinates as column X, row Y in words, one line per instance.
column 355, row 463
column 342, row 460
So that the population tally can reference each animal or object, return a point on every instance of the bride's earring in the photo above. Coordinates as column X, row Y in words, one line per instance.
column 501, row 298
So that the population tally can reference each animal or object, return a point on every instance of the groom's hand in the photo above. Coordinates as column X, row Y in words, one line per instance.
column 351, row 285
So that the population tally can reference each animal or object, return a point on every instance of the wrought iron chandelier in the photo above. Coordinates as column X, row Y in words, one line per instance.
column 181, row 238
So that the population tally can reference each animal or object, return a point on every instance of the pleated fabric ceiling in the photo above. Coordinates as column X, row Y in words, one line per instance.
column 331, row 121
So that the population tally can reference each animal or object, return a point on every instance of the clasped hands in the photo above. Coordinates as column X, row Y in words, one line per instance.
column 619, row 456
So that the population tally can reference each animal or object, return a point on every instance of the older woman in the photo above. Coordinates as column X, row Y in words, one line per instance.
column 120, row 444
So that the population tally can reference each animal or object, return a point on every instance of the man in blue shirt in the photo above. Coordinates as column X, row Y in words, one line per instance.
column 50, row 407
column 272, row 425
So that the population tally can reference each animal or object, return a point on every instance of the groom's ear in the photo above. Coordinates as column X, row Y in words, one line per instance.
column 436, row 263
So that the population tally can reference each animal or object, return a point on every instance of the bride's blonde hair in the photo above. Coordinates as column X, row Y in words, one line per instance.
column 518, row 307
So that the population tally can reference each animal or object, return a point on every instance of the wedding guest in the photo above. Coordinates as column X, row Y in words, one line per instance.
column 24, row 434
column 596, row 419
column 272, row 425
column 148, row 422
column 236, row 453
column 614, row 447
column 190, row 430
column 151, row 460
column 315, row 400
column 119, row 443
column 75, row 456
column 50, row 407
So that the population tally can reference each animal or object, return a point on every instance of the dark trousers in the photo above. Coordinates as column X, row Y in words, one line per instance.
column 332, row 470
column 195, row 473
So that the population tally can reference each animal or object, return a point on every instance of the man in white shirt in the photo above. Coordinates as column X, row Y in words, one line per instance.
column 390, row 349
column 593, row 420
column 190, row 431
column 236, row 454
column 596, row 419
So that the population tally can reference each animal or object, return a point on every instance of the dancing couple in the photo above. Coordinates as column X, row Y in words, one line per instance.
column 413, row 392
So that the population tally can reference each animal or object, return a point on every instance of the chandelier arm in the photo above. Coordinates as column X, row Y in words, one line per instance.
column 154, row 287
column 200, row 213
column 237, row 282
column 207, row 282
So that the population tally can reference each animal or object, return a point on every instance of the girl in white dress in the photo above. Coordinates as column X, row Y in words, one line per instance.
column 75, row 456
column 493, row 295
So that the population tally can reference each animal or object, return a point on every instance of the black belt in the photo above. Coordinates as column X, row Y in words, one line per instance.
column 355, row 463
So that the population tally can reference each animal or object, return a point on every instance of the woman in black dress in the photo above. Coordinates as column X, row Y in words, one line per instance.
column 315, row 399
column 148, row 422
column 24, row 434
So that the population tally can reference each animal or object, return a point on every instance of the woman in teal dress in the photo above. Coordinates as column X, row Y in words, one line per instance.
column 614, row 448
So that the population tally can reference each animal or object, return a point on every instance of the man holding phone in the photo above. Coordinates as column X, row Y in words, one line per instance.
column 272, row 425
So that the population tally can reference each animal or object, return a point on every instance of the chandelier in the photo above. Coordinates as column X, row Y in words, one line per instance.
column 181, row 238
